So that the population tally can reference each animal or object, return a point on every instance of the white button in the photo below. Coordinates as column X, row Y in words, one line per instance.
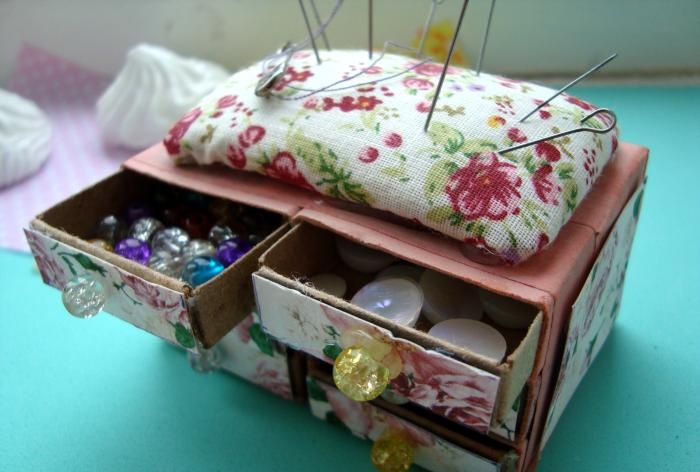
column 447, row 298
column 361, row 258
column 507, row 312
column 399, row 300
column 473, row 335
column 330, row 283
column 401, row 270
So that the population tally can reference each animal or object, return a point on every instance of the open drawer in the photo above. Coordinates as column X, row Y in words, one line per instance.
column 402, row 438
column 187, row 315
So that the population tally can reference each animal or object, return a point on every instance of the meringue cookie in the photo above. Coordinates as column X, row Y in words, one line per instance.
column 25, row 138
column 153, row 89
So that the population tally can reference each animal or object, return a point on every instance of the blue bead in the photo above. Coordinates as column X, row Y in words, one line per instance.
column 201, row 269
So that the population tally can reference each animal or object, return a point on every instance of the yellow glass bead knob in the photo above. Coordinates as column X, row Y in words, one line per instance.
column 358, row 375
column 392, row 452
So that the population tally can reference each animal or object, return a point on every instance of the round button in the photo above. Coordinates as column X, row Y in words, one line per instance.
column 447, row 298
column 473, row 335
column 396, row 299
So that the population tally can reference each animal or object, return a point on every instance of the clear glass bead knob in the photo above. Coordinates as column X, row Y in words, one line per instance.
column 205, row 360
column 392, row 452
column 83, row 296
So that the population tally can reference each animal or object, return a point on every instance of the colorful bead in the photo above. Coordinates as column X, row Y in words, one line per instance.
column 196, row 224
column 172, row 240
column 201, row 269
column 111, row 229
column 101, row 243
column 358, row 375
column 231, row 250
column 134, row 249
column 83, row 297
column 220, row 233
column 144, row 228
column 392, row 452
column 198, row 247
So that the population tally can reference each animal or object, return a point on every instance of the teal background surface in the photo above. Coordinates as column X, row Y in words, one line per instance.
column 101, row 395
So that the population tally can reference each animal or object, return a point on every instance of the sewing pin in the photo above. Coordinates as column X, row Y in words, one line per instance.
column 447, row 63
column 370, row 27
column 320, row 24
column 486, row 37
column 311, row 34
column 569, row 85
column 426, row 27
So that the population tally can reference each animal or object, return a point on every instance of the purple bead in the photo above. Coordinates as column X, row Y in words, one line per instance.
column 231, row 250
column 137, row 210
column 134, row 249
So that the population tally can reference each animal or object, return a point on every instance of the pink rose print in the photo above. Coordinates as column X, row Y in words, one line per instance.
column 251, row 135
column 545, row 115
column 349, row 103
column 172, row 139
column 150, row 294
column 545, row 189
column 236, row 156
column 432, row 69
column 393, row 140
column 270, row 377
column 542, row 241
column 51, row 271
column 311, row 103
column 226, row 101
column 368, row 155
column 242, row 329
column 548, row 151
column 423, row 107
column 517, row 136
column 578, row 102
column 486, row 188
column 352, row 414
column 292, row 75
column 284, row 167
column 417, row 83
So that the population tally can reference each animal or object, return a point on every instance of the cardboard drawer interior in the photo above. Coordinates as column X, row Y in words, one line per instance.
column 289, row 260
column 212, row 309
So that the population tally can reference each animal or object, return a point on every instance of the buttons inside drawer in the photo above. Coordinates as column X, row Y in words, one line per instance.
column 193, row 305
column 375, row 356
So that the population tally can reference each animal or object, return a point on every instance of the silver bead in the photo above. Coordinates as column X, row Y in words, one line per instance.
column 220, row 233
column 172, row 240
column 83, row 296
column 167, row 264
column 143, row 229
column 198, row 247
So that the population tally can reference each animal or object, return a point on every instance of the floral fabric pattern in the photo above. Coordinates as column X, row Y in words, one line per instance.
column 369, row 422
column 151, row 307
column 363, row 141
column 595, row 310
column 458, row 391
column 250, row 354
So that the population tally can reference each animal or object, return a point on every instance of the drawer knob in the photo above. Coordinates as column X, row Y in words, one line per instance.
column 205, row 360
column 392, row 452
column 365, row 367
column 84, row 296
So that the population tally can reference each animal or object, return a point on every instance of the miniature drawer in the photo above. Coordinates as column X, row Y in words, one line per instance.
column 446, row 452
column 157, row 303
column 448, row 380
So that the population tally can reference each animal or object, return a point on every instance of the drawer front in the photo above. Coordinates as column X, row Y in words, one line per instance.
column 151, row 307
column 458, row 391
column 249, row 353
column 370, row 422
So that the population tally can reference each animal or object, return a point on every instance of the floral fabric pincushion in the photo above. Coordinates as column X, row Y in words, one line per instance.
column 365, row 143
